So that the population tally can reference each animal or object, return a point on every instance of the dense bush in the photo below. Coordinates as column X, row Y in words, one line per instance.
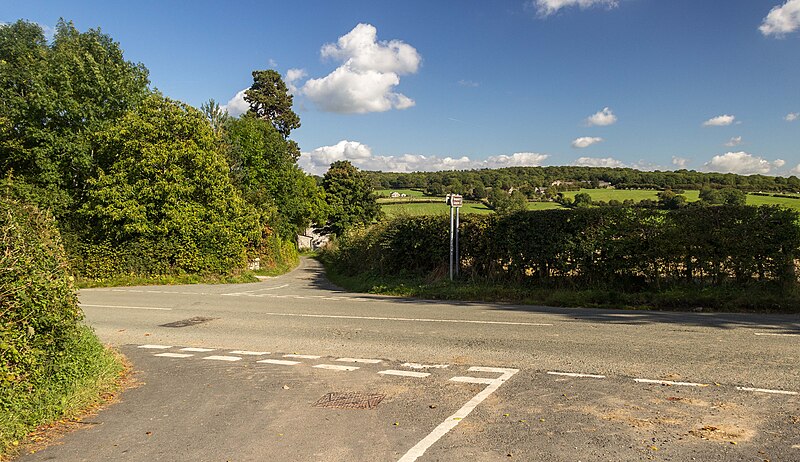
column 624, row 248
column 46, row 355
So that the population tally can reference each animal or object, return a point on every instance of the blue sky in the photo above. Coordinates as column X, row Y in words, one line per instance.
column 711, row 85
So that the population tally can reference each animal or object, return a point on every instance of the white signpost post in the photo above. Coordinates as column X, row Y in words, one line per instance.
column 455, row 201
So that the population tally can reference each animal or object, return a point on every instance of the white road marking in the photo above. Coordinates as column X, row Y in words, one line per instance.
column 669, row 382
column 336, row 367
column 279, row 362
column 765, row 390
column 483, row 380
column 777, row 335
column 249, row 353
column 173, row 355
column 418, row 375
column 252, row 293
column 154, row 308
column 380, row 318
column 359, row 360
column 223, row 358
column 425, row 366
column 796, row 446
column 419, row 449
column 574, row 374
column 198, row 350
column 155, row 347
column 302, row 356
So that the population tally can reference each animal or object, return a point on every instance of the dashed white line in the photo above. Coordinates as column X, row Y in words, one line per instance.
column 174, row 355
column 766, row 390
column 279, row 362
column 155, row 347
column 418, row 375
column 669, row 382
column 301, row 356
column 153, row 308
column 360, row 360
column 575, row 374
column 336, row 367
column 381, row 318
column 776, row 334
column 249, row 353
column 419, row 449
column 198, row 350
column 223, row 358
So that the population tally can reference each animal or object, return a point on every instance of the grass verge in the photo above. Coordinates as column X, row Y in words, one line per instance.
column 715, row 299
column 84, row 374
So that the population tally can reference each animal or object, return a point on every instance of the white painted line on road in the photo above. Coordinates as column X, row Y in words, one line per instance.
column 483, row 380
column 223, row 358
column 425, row 366
column 253, row 292
column 249, row 353
column 777, row 335
column 360, row 360
column 380, row 318
column 418, row 375
column 574, row 374
column 496, row 370
column 336, row 367
column 669, row 382
column 765, row 390
column 419, row 449
column 154, row 308
column 279, row 362
column 302, row 356
column 156, row 347
column 173, row 355
column 198, row 350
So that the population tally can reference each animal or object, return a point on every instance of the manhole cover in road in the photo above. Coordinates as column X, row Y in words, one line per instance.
column 188, row 322
column 350, row 400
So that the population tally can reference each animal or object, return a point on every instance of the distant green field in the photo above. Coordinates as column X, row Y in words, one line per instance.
column 443, row 209
column 407, row 192
column 621, row 195
column 784, row 201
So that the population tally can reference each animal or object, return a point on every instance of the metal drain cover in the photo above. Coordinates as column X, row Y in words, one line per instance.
column 350, row 400
column 188, row 322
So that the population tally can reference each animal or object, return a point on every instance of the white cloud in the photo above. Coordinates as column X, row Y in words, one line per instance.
column 680, row 162
column 602, row 118
column 782, row 20
column 468, row 83
column 742, row 163
column 719, row 121
column 792, row 116
column 598, row 162
column 586, row 141
column 292, row 77
column 369, row 72
column 734, row 141
column 318, row 160
column 548, row 7
column 237, row 106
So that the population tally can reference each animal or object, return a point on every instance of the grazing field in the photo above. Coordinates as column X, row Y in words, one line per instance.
column 407, row 192
column 621, row 195
column 784, row 201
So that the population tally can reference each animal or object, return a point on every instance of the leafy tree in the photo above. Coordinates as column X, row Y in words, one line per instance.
column 351, row 199
column 167, row 187
column 710, row 196
column 582, row 200
column 270, row 100
column 53, row 99
column 504, row 203
column 670, row 200
column 216, row 116
column 732, row 196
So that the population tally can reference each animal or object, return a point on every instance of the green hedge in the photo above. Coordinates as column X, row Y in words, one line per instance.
column 625, row 248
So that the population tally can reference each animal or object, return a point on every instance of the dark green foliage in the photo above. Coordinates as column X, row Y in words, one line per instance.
column 270, row 100
column 504, row 203
column 626, row 249
column 46, row 356
column 350, row 197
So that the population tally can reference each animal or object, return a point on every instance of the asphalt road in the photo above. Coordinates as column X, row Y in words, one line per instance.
column 292, row 368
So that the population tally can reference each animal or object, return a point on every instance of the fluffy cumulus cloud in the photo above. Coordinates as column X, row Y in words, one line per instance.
column 586, row 141
column 782, row 19
column 602, row 118
column 598, row 162
column 292, row 77
column 742, row 163
column 548, row 7
column 318, row 160
column 734, row 141
column 369, row 72
column 792, row 116
column 680, row 162
column 236, row 106
column 719, row 121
